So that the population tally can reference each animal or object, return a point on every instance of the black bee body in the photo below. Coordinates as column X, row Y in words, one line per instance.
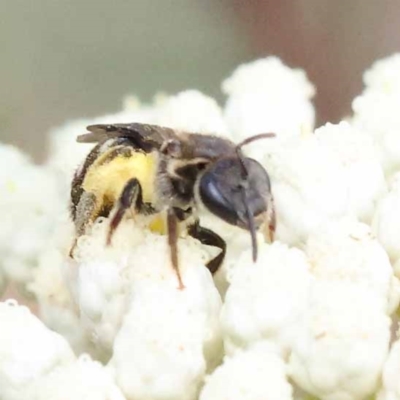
column 151, row 169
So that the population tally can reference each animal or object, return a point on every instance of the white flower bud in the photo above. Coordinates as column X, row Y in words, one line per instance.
column 363, row 171
column 83, row 379
column 28, row 350
column 191, row 111
column 266, row 300
column 376, row 110
column 267, row 96
column 257, row 373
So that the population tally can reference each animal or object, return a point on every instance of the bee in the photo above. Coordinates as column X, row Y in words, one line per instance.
column 149, row 169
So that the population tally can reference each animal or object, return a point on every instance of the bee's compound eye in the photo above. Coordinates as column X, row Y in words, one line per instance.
column 214, row 194
column 226, row 194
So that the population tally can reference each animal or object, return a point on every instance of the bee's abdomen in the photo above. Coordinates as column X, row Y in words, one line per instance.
column 106, row 171
column 79, row 176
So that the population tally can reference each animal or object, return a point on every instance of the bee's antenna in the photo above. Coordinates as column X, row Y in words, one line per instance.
column 247, row 141
column 245, row 173
column 251, row 227
column 254, row 138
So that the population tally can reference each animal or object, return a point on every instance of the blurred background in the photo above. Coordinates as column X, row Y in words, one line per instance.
column 78, row 58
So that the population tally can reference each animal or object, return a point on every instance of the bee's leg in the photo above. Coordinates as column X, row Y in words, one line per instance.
column 210, row 238
column 172, row 226
column 131, row 195
column 85, row 214
column 270, row 224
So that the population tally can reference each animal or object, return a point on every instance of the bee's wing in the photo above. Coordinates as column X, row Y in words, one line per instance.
column 142, row 134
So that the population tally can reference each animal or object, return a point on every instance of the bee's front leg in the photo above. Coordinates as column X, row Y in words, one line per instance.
column 209, row 238
column 270, row 221
column 172, row 226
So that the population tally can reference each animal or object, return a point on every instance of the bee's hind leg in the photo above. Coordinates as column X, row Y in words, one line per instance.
column 85, row 213
column 131, row 195
column 210, row 238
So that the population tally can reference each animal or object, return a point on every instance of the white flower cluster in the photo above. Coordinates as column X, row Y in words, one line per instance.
column 376, row 110
column 30, row 206
column 315, row 316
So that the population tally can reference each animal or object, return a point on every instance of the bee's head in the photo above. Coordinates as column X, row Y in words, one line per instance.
column 236, row 189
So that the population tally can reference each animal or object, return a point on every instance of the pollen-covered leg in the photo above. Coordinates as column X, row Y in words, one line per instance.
column 270, row 224
column 131, row 195
column 209, row 238
column 86, row 212
column 172, row 225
